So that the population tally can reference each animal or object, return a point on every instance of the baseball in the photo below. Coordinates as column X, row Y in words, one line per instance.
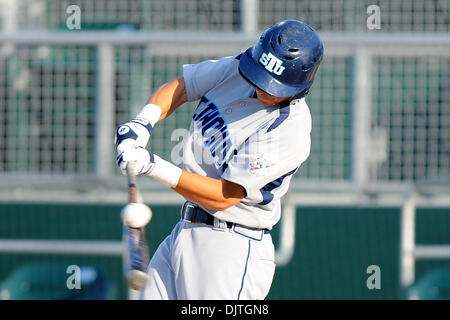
column 136, row 215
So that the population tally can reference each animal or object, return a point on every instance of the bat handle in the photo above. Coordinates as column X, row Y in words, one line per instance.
column 131, row 176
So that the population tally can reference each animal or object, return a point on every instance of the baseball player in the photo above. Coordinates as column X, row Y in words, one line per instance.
column 249, row 134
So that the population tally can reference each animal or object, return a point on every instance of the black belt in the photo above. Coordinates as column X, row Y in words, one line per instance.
column 194, row 214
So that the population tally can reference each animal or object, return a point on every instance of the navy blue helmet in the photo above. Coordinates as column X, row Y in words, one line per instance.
column 284, row 61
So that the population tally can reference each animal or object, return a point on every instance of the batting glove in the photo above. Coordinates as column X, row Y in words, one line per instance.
column 145, row 161
column 133, row 134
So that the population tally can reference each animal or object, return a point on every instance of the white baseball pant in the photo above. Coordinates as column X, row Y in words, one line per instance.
column 201, row 262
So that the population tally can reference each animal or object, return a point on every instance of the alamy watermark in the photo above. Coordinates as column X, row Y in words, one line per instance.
column 73, row 21
column 374, row 280
column 74, row 280
column 374, row 20
column 258, row 155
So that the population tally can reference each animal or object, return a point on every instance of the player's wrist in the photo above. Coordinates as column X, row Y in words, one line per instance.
column 165, row 171
column 148, row 116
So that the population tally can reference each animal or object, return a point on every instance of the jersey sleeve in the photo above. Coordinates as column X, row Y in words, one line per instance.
column 267, row 160
column 201, row 77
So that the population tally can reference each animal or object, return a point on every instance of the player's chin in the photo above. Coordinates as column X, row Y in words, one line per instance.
column 267, row 103
column 268, row 100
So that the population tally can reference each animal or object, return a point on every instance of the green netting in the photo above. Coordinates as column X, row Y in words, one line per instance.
column 410, row 103
column 47, row 101
column 326, row 15
column 330, row 102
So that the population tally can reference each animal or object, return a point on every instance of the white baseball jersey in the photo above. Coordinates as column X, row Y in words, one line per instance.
column 234, row 137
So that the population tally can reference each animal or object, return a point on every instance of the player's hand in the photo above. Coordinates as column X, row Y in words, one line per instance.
column 144, row 160
column 131, row 135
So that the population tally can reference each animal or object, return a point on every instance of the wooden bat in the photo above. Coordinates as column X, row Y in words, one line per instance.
column 135, row 216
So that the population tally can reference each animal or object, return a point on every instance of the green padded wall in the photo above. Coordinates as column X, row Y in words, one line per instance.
column 333, row 248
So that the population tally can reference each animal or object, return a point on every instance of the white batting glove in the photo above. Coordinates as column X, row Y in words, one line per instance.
column 136, row 133
column 145, row 161
column 131, row 135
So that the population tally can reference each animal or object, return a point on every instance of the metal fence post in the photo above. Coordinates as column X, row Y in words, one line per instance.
column 9, row 15
column 249, row 16
column 104, row 113
column 407, row 234
column 287, row 233
column 361, row 116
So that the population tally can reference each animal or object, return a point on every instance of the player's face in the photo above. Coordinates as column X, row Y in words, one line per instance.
column 268, row 100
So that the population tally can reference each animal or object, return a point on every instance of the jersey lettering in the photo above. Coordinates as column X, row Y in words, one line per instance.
column 215, row 133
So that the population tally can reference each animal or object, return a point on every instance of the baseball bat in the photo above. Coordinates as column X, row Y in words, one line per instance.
column 135, row 216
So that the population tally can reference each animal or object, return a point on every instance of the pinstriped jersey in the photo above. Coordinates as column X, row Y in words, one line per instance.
column 234, row 137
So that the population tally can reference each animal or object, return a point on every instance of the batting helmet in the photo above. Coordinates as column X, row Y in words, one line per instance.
column 284, row 61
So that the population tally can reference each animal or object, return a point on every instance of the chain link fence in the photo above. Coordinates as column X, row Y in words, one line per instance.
column 386, row 120
column 226, row 15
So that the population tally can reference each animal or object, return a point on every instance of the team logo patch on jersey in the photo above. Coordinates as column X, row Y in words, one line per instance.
column 214, row 132
column 272, row 63
column 258, row 166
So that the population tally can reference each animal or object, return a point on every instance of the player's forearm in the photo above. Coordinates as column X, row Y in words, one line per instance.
column 169, row 97
column 210, row 193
